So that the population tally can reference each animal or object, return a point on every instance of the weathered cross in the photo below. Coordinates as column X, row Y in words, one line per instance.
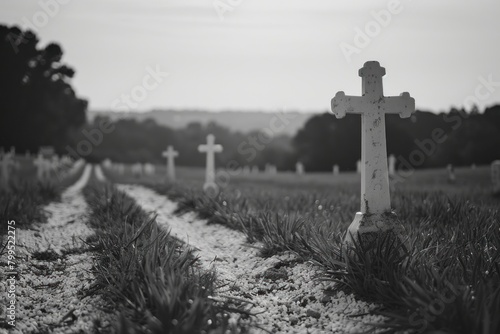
column 376, row 214
column 170, row 154
column 210, row 148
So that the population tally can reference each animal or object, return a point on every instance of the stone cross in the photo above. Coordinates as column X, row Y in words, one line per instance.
column 107, row 163
column 495, row 176
column 392, row 165
column 5, row 163
column 376, row 214
column 149, row 169
column 299, row 168
column 336, row 170
column 210, row 148
column 170, row 154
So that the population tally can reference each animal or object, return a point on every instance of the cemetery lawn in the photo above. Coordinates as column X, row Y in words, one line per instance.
column 148, row 277
column 23, row 200
column 447, row 278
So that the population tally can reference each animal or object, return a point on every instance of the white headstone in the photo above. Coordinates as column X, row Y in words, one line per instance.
column 392, row 164
column 376, row 215
column 170, row 154
column 5, row 163
column 149, row 169
column 495, row 176
column 451, row 173
column 336, row 170
column 210, row 148
column 358, row 166
column 299, row 168
column 255, row 169
column 107, row 163
column 137, row 169
column 246, row 170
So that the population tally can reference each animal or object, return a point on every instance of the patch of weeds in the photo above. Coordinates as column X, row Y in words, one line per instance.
column 150, row 277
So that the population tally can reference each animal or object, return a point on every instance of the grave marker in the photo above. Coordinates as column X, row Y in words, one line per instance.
column 107, row 163
column 210, row 148
column 255, row 169
column 376, row 215
column 358, row 166
column 336, row 170
column 299, row 168
column 170, row 154
column 495, row 176
column 149, row 169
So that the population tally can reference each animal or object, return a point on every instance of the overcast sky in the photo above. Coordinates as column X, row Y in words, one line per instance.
column 269, row 54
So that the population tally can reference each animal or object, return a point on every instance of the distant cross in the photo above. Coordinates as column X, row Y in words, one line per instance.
column 5, row 163
column 170, row 154
column 210, row 148
column 335, row 169
column 299, row 168
column 373, row 106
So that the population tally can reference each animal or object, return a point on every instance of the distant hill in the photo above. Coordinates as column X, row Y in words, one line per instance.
column 235, row 121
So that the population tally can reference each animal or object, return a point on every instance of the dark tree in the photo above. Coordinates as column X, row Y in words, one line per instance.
column 38, row 105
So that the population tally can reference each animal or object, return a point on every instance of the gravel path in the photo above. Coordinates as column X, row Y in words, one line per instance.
column 286, row 296
column 54, row 266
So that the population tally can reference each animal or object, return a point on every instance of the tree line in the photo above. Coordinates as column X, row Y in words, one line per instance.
column 40, row 108
column 38, row 105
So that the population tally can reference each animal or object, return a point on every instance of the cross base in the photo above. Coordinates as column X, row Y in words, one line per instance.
column 370, row 227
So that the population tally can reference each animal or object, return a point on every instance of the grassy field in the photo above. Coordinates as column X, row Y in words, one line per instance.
column 447, row 280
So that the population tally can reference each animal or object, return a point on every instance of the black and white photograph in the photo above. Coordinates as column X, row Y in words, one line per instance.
column 249, row 166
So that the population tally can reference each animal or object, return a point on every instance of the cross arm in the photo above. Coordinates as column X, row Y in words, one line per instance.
column 404, row 105
column 344, row 104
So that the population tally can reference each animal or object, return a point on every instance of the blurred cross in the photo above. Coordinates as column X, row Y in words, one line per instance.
column 5, row 163
column 170, row 154
column 210, row 148
column 376, row 214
